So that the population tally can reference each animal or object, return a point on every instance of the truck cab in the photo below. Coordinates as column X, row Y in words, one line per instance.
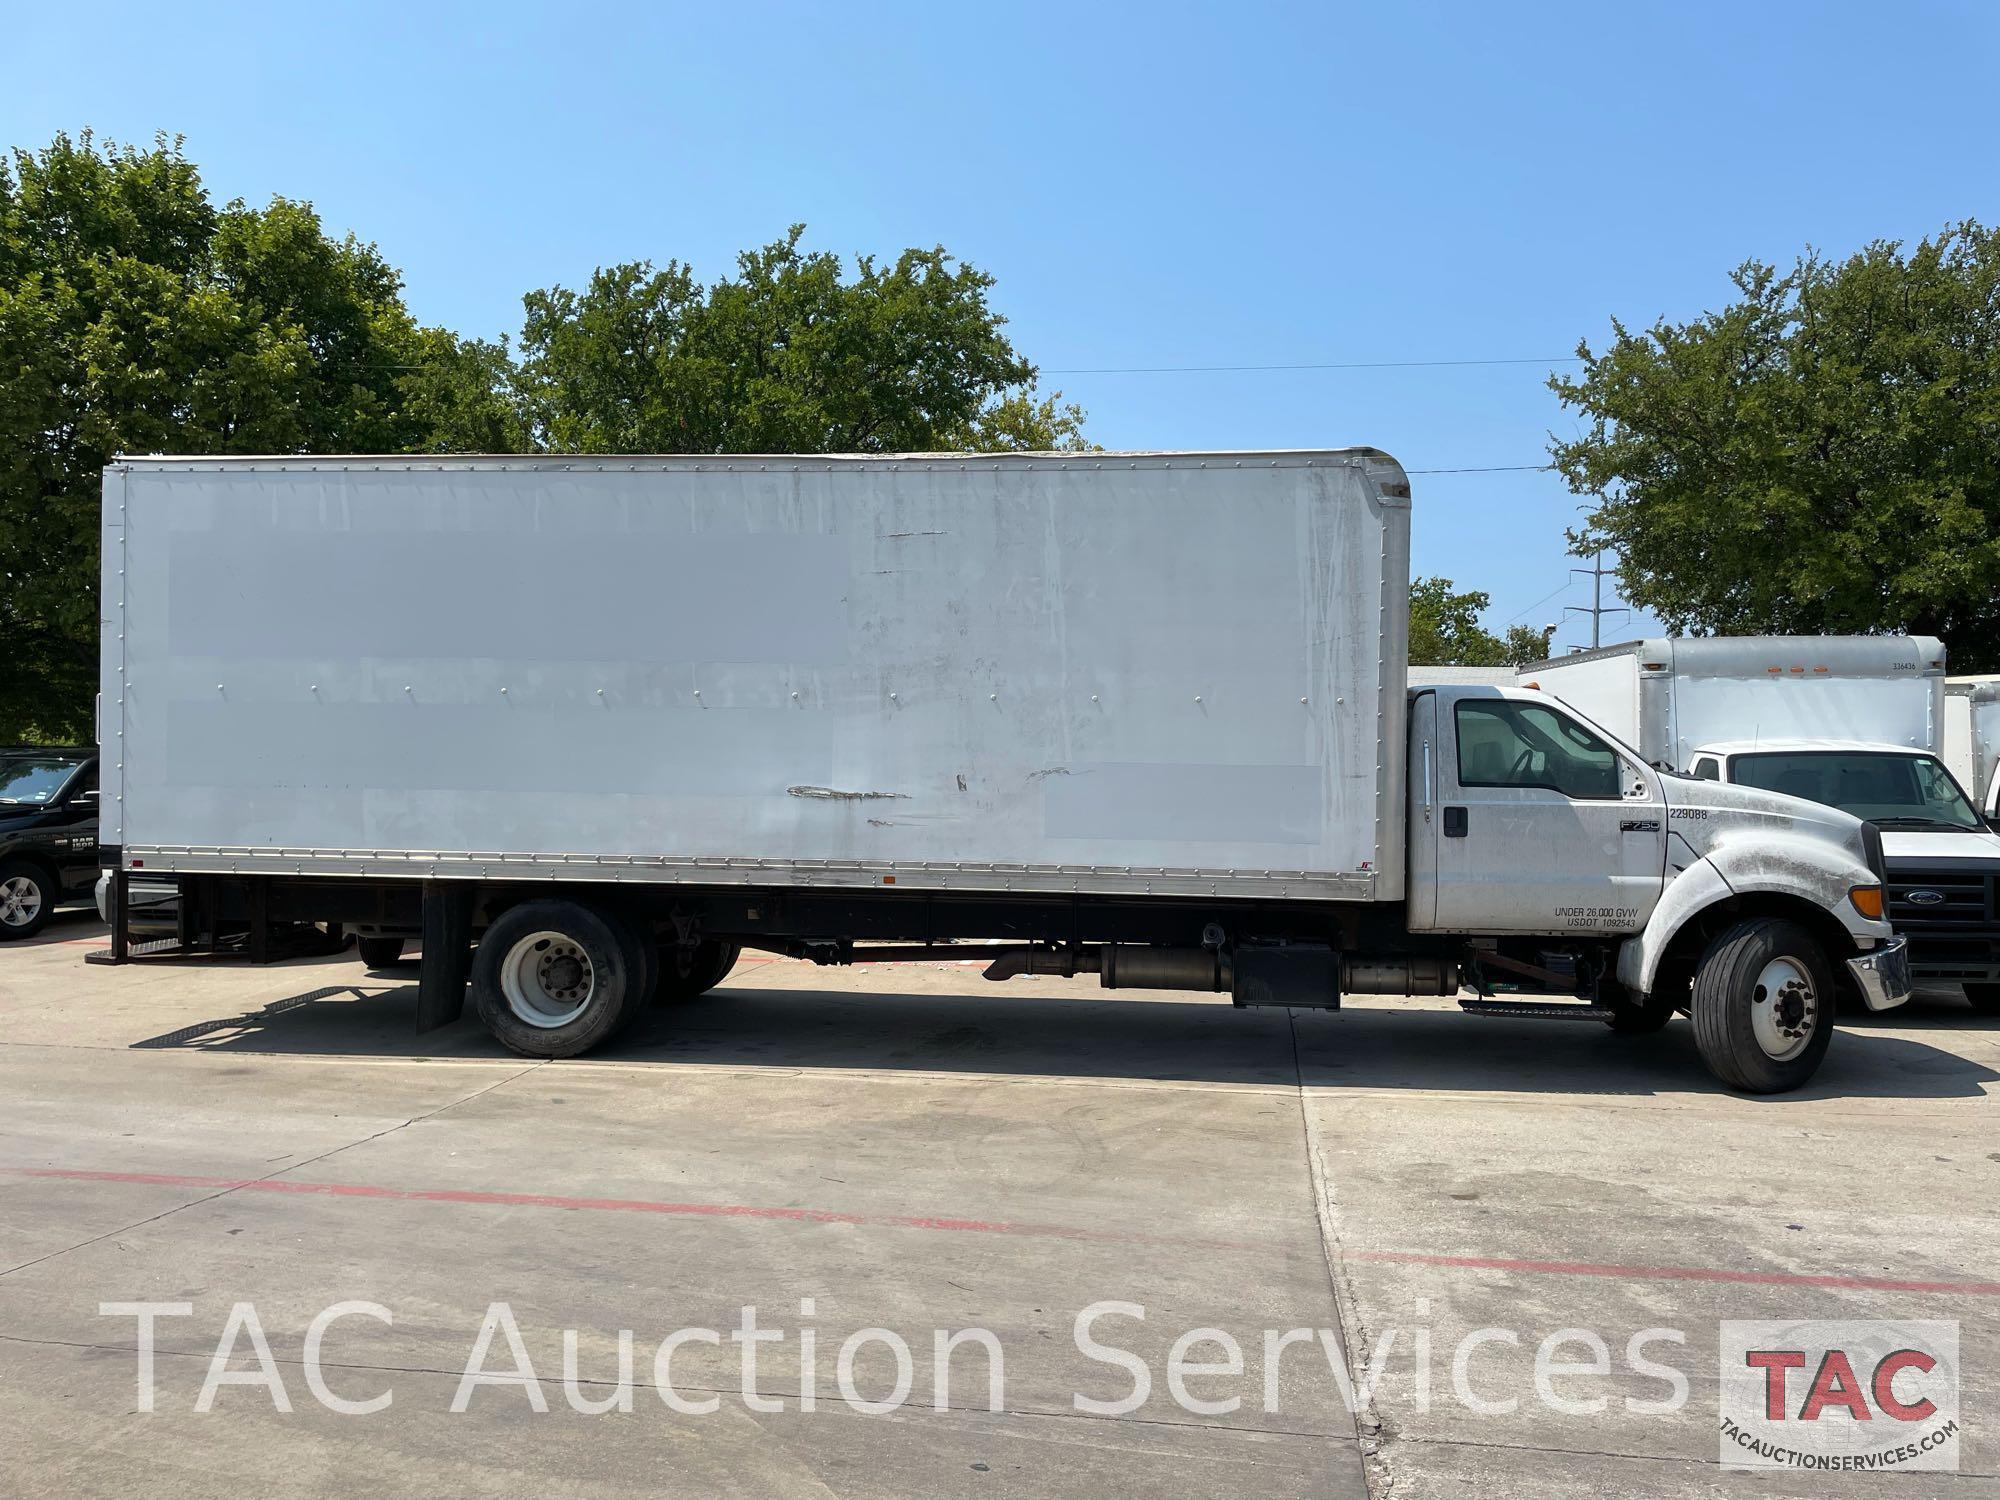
column 1861, row 723
column 1943, row 856
column 1566, row 860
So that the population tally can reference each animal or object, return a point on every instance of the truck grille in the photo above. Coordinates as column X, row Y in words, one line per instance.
column 1951, row 917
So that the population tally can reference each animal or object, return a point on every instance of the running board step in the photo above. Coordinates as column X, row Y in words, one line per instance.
column 1536, row 1010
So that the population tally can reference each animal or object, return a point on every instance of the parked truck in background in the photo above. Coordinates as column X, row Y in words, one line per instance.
column 1855, row 722
column 1139, row 715
column 48, row 833
column 1972, row 739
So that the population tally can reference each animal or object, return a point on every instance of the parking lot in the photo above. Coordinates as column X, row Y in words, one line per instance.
column 911, row 1149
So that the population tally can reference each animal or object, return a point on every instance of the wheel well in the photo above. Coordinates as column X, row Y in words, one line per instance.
column 42, row 867
column 1677, row 964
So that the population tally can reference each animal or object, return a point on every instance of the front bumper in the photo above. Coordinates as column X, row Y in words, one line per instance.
column 1883, row 974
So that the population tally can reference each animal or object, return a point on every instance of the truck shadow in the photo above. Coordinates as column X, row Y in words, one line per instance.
column 1371, row 1045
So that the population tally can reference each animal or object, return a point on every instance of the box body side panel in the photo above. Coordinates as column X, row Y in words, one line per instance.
column 1108, row 673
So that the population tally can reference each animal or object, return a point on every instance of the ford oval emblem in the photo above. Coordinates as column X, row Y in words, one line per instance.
column 1926, row 898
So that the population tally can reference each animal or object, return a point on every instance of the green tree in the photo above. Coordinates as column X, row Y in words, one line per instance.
column 1445, row 628
column 1525, row 644
column 786, row 356
column 136, row 317
column 1823, row 454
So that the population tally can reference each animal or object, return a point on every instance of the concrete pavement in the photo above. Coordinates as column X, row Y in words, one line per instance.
column 913, row 1150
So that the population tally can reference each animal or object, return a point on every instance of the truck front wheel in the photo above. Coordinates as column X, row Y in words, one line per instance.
column 1762, row 1006
column 554, row 978
column 379, row 952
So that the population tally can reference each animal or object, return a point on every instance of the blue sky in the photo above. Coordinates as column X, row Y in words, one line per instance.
column 1165, row 185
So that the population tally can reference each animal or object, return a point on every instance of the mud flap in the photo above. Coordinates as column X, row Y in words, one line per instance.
column 447, row 953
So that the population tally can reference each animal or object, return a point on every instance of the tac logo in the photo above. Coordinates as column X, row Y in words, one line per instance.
column 1839, row 1394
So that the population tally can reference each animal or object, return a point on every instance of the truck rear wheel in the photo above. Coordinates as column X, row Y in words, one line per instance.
column 554, row 978
column 686, row 972
column 1762, row 1006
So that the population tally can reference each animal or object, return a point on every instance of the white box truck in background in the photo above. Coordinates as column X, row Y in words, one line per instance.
column 1972, row 739
column 1855, row 722
column 1137, row 715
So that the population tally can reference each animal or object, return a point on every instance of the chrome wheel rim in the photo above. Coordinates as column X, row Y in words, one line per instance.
column 20, row 901
column 1784, row 1009
column 548, row 980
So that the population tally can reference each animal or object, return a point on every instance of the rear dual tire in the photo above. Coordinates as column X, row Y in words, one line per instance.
column 690, row 970
column 1762, row 1006
column 557, row 978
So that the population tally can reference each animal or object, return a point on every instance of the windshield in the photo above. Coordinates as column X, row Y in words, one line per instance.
column 1906, row 791
column 33, row 778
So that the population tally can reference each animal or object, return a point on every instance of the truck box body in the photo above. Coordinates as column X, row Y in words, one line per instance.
column 1155, row 674
column 1972, row 737
column 1668, row 696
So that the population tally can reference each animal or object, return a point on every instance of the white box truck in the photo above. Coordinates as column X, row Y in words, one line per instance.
column 1138, row 715
column 1856, row 722
column 1972, row 739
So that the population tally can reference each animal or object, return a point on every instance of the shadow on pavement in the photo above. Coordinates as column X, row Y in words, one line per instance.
column 66, row 924
column 1375, row 1045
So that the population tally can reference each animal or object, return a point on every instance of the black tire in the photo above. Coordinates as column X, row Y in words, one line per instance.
column 1631, row 1018
column 28, row 893
column 642, row 952
column 554, row 978
column 379, row 952
column 1731, row 1007
column 686, row 972
column 1983, row 998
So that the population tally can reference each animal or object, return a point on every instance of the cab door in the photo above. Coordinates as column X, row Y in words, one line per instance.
column 76, row 840
column 1538, row 824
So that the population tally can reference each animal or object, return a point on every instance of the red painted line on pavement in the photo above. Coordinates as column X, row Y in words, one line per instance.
column 997, row 1226
column 1676, row 1273
column 631, row 1205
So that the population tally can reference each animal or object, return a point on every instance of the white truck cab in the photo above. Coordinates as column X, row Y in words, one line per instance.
column 1851, row 722
column 1528, row 819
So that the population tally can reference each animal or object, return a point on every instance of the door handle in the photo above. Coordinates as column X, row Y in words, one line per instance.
column 1454, row 822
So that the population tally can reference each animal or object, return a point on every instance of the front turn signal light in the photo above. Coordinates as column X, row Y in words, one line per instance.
column 1867, row 900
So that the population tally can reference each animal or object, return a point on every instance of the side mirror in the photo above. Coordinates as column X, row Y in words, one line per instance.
column 85, row 799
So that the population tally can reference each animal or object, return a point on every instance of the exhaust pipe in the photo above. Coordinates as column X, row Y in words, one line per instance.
column 1127, row 966
column 1398, row 976
column 1299, row 974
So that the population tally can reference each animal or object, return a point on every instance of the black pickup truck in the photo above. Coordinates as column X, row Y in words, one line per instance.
column 48, row 833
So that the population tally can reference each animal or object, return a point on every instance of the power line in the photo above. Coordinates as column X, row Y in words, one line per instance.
column 1561, row 588
column 1374, row 364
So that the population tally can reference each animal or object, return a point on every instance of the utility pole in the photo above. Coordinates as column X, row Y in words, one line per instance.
column 1597, row 609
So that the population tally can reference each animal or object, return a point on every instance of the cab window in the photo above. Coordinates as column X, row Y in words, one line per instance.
column 1501, row 743
column 1708, row 768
